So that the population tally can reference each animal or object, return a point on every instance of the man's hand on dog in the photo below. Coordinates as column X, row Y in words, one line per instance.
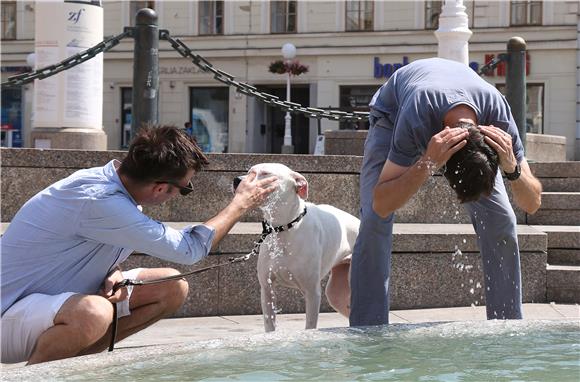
column 107, row 290
column 252, row 192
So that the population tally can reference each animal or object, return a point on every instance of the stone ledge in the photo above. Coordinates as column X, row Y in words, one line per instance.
column 561, row 236
column 407, row 238
column 237, row 163
column 561, row 201
column 545, row 138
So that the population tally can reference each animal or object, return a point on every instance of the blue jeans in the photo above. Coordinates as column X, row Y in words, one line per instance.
column 493, row 219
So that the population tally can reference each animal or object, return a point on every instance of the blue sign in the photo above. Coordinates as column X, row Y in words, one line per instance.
column 387, row 70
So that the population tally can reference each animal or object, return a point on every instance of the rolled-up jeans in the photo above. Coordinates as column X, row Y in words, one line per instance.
column 492, row 217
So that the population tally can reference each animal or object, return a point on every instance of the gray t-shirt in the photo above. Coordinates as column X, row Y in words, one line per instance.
column 417, row 97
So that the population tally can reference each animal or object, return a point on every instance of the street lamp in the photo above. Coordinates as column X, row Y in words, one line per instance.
column 289, row 52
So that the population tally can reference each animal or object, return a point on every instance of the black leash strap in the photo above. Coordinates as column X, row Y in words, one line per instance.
column 267, row 229
column 114, row 327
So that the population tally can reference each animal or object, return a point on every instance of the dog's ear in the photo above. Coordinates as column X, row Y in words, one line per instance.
column 301, row 185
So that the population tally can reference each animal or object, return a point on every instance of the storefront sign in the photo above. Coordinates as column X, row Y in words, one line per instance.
column 387, row 70
column 178, row 70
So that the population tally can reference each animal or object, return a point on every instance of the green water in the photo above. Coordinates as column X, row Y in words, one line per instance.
column 466, row 351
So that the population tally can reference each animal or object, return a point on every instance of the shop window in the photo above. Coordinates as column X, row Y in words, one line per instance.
column 534, row 107
column 209, row 118
column 211, row 17
column 359, row 15
column 432, row 12
column 8, row 20
column 11, row 128
column 135, row 6
column 126, row 116
column 283, row 16
column 356, row 98
column 526, row 13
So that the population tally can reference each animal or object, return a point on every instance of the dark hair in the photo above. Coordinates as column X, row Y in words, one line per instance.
column 472, row 170
column 162, row 153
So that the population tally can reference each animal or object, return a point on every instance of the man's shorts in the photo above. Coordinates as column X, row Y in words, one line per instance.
column 31, row 316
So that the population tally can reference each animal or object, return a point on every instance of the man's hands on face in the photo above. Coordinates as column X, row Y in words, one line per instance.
column 443, row 145
column 501, row 142
column 252, row 192
column 107, row 289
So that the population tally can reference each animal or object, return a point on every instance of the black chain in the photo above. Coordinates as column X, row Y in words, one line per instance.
column 197, row 60
column 250, row 90
column 491, row 65
column 67, row 63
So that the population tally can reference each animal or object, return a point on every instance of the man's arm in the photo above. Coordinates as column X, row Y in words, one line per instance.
column 250, row 193
column 527, row 189
column 397, row 184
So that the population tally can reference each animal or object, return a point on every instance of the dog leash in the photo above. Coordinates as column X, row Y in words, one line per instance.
column 267, row 229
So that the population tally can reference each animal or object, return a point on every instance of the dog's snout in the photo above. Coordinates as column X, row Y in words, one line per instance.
column 238, row 180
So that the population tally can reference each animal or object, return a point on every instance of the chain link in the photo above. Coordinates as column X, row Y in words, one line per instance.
column 68, row 63
column 250, row 90
column 491, row 65
column 197, row 60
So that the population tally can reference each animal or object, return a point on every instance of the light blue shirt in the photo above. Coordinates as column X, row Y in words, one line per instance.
column 70, row 235
column 416, row 98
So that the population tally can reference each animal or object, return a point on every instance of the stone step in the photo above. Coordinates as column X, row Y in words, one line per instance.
column 563, row 244
column 563, row 284
column 333, row 179
column 558, row 208
column 427, row 271
column 433, row 265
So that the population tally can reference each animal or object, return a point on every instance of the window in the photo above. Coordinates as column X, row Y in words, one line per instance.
column 135, row 6
column 359, row 15
column 211, row 17
column 209, row 118
column 126, row 114
column 8, row 20
column 11, row 129
column 283, row 16
column 534, row 107
column 356, row 98
column 432, row 12
column 526, row 13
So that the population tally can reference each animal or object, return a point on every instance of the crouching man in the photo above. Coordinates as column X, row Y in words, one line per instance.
column 61, row 252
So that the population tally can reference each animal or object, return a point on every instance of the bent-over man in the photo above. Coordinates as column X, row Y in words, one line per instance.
column 432, row 113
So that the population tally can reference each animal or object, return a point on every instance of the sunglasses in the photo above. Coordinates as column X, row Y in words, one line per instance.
column 182, row 190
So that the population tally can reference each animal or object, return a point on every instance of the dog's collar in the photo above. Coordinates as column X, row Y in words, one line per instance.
column 268, row 228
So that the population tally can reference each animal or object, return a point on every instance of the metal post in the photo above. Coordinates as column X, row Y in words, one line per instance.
column 516, row 83
column 145, row 70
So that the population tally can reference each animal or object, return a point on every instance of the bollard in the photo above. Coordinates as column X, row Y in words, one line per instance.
column 516, row 83
column 145, row 70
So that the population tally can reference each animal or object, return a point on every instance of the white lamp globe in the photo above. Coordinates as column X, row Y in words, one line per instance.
column 31, row 60
column 288, row 51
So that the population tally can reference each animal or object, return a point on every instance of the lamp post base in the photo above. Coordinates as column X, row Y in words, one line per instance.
column 287, row 149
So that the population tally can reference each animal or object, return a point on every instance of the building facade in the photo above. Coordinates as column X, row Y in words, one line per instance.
column 349, row 47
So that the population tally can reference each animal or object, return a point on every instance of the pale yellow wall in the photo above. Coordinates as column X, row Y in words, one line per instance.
column 398, row 15
column 319, row 16
column 113, row 17
column 25, row 20
column 335, row 58
column 564, row 12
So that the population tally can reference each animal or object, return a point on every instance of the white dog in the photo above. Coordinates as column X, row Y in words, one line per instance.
column 312, row 240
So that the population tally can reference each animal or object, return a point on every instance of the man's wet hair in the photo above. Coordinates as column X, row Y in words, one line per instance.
column 472, row 170
column 162, row 152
